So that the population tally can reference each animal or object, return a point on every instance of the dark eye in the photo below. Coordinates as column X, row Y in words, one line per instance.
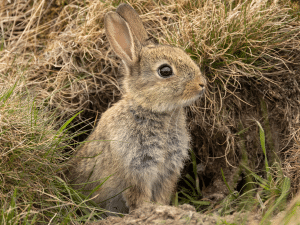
column 165, row 71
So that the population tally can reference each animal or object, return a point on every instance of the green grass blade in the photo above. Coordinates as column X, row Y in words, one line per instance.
column 196, row 181
column 11, row 215
column 98, row 186
column 175, row 199
column 227, row 185
column 285, row 191
column 8, row 93
column 190, row 186
column 63, row 127
column 263, row 146
column 200, row 203
column 263, row 183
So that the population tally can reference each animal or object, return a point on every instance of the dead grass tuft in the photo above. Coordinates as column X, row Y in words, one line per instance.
column 32, row 155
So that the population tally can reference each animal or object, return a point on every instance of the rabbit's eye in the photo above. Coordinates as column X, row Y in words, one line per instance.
column 165, row 71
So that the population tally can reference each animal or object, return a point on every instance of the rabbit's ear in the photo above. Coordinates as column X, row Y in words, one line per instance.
column 134, row 22
column 120, row 37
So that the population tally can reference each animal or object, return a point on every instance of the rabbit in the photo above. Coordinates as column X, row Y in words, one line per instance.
column 140, row 144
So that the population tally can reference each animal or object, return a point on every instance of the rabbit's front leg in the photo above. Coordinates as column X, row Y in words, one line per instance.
column 141, row 173
column 163, row 188
column 137, row 195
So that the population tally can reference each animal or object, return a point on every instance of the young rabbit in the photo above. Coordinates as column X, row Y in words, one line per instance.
column 142, row 141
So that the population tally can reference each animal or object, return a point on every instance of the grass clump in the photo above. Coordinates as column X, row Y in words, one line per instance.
column 269, row 190
column 190, row 192
column 265, row 191
column 32, row 153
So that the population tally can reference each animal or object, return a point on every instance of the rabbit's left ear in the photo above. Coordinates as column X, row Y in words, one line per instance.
column 133, row 20
column 120, row 37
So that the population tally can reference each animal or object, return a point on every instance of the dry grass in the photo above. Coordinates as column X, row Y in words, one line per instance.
column 292, row 159
column 248, row 50
column 32, row 153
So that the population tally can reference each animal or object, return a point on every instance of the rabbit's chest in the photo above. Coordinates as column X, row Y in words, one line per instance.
column 160, row 132
column 167, row 141
column 150, row 142
column 161, row 141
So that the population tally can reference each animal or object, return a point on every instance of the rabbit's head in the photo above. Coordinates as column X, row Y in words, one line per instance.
column 157, row 77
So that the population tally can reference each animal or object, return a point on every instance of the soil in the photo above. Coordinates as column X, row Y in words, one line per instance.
column 184, row 214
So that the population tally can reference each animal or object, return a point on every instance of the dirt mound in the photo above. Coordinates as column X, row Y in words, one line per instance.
column 184, row 214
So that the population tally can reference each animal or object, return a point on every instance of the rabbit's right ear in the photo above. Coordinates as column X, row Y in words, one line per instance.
column 120, row 37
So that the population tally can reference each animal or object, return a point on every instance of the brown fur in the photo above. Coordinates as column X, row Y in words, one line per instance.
column 142, row 141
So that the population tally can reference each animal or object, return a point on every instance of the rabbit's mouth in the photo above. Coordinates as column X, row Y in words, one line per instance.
column 193, row 96
column 201, row 92
column 187, row 102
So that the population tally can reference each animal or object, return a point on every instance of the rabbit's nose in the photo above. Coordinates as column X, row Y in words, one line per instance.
column 202, row 85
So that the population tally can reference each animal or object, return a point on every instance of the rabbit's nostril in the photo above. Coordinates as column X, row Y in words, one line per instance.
column 202, row 85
